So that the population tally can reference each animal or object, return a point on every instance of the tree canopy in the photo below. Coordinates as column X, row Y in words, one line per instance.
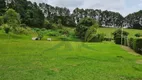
column 34, row 15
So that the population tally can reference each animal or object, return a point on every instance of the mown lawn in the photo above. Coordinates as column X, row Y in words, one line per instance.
column 57, row 60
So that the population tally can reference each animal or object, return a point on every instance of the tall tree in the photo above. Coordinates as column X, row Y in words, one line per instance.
column 2, row 7
column 83, row 26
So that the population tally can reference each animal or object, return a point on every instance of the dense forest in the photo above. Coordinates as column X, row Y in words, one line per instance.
column 40, row 15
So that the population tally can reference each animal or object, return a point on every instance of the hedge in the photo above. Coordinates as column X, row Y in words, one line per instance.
column 136, row 44
column 124, row 41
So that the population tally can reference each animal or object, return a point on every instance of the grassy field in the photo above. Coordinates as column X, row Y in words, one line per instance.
column 57, row 60
column 108, row 31
column 24, row 59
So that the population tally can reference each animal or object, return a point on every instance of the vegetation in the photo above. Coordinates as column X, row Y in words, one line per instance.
column 35, row 15
column 135, row 44
column 120, row 36
column 83, row 26
column 66, row 60
column 71, row 53
column 108, row 32
column 138, row 35
column 91, row 32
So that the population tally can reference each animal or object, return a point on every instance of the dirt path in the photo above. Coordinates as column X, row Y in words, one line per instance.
column 133, row 53
column 129, row 50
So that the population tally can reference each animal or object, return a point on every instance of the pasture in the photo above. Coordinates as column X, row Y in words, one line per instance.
column 109, row 31
column 57, row 60
column 24, row 59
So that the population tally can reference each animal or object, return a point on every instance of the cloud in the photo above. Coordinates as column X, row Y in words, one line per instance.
column 123, row 6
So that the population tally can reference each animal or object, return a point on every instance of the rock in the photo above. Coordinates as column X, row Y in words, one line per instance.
column 49, row 39
column 34, row 38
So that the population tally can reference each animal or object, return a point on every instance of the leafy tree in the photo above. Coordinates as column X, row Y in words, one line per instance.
column 134, row 20
column 12, row 18
column 119, row 32
column 83, row 26
column 30, row 13
column 138, row 35
column 98, row 38
column 2, row 7
column 91, row 32
column 120, row 36
column 1, row 20
column 6, row 28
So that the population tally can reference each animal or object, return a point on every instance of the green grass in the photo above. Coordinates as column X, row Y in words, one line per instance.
column 108, row 31
column 24, row 59
column 57, row 60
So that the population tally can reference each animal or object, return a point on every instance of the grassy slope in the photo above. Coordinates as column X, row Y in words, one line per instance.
column 108, row 31
column 43, row 60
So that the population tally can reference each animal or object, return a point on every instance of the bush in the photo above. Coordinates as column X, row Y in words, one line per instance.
column 98, row 38
column 118, row 41
column 136, row 44
column 39, row 32
column 91, row 32
column 64, row 31
column 118, row 38
column 108, row 39
column 131, row 43
column 1, row 20
column 49, row 25
column 138, row 35
column 6, row 28
column 52, row 33
column 83, row 26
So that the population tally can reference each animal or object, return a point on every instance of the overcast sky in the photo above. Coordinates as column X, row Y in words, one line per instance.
column 123, row 6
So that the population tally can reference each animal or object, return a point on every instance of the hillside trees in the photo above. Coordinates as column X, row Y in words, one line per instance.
column 105, row 18
column 54, row 14
column 29, row 12
column 134, row 20
column 33, row 14
column 111, row 19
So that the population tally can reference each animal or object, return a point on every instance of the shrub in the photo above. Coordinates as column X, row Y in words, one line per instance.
column 98, row 38
column 1, row 20
column 23, row 25
column 91, row 32
column 107, row 39
column 64, row 31
column 118, row 38
column 136, row 44
column 39, row 32
column 49, row 25
column 83, row 26
column 138, row 35
column 52, row 33
column 131, row 43
column 6, row 28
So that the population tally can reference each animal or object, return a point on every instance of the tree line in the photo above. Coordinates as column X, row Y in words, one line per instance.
column 38, row 15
